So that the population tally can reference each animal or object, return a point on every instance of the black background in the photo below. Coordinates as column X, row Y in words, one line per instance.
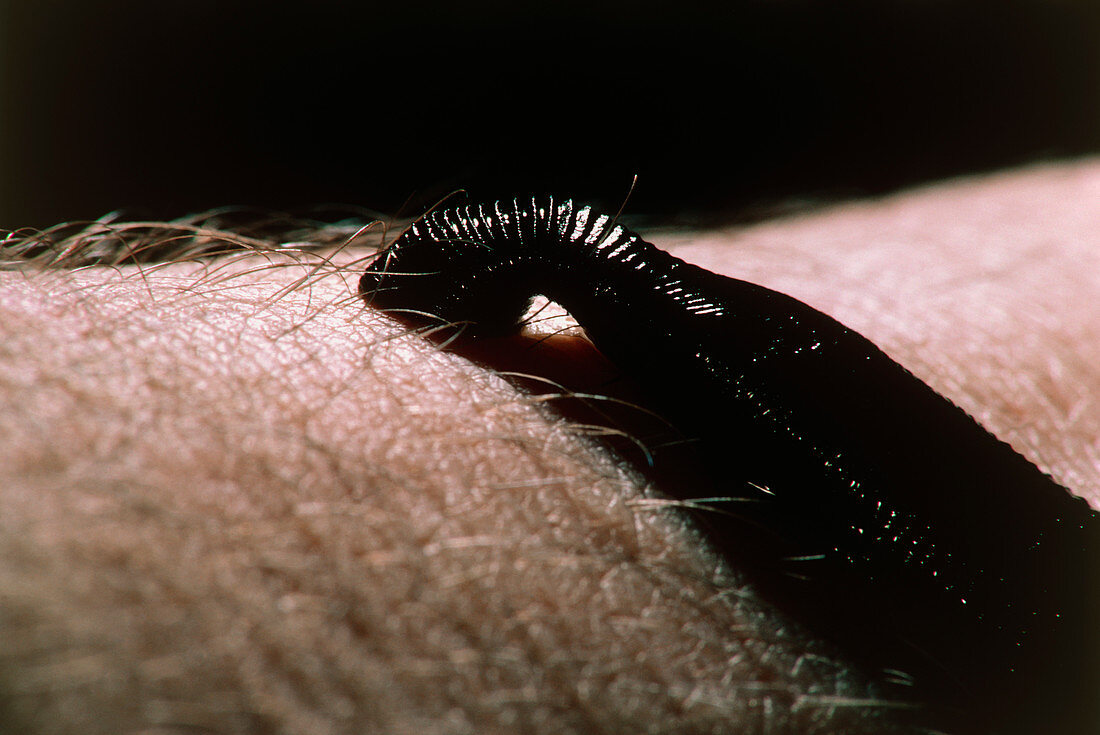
column 168, row 107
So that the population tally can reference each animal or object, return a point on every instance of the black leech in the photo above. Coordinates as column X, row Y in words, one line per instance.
column 974, row 570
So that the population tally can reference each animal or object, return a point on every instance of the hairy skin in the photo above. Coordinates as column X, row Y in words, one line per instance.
column 243, row 504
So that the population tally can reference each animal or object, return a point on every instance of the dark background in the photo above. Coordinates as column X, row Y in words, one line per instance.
column 734, row 109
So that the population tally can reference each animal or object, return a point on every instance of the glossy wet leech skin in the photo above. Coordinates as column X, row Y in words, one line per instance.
column 893, row 520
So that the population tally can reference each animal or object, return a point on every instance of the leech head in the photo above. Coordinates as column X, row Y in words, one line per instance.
column 481, row 264
column 452, row 278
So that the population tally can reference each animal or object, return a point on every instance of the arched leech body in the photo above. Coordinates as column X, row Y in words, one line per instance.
column 943, row 551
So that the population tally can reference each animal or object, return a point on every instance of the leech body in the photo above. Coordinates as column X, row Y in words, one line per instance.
column 981, row 568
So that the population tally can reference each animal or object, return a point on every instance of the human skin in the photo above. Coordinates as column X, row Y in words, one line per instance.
column 238, row 502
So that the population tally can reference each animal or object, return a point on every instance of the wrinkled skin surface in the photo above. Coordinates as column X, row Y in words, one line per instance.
column 228, row 505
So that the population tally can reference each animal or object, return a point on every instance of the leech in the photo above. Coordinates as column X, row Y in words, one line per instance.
column 950, row 556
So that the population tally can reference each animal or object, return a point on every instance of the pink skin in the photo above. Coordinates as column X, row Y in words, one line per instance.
column 222, row 509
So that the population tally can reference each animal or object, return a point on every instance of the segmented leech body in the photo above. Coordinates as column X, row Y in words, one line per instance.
column 973, row 569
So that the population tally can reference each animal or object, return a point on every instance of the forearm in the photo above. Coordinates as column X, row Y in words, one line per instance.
column 231, row 510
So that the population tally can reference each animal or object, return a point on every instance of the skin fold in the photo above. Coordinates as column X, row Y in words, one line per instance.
column 236, row 501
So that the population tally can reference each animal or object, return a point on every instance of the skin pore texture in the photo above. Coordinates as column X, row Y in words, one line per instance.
column 234, row 500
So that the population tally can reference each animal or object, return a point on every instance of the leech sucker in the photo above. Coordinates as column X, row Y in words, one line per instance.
column 949, row 555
